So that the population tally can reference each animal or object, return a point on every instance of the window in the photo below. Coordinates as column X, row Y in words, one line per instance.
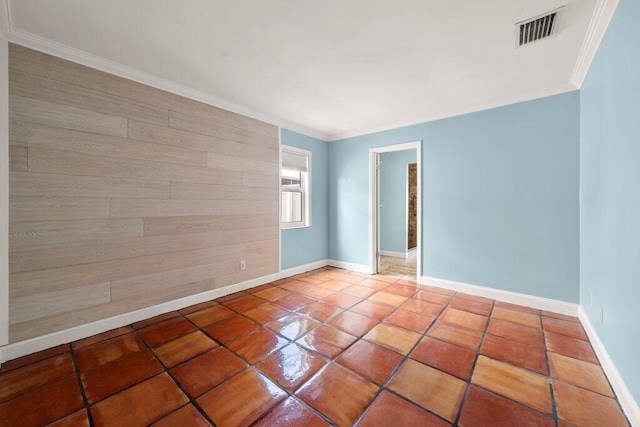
column 295, row 188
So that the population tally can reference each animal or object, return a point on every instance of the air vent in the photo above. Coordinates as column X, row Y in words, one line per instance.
column 538, row 28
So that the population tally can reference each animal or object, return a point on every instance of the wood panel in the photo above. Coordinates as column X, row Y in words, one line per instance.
column 52, row 138
column 64, row 116
column 62, row 185
column 123, row 195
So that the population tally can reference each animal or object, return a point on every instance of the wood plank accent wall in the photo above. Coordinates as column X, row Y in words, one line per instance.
column 124, row 196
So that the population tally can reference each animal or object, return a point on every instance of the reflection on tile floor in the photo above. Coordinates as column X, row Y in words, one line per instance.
column 328, row 347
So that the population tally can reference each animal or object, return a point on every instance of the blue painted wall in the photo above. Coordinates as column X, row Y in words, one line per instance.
column 500, row 196
column 393, row 198
column 610, row 193
column 305, row 245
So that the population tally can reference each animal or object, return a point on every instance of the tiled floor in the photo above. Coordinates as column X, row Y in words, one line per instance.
column 328, row 347
column 394, row 266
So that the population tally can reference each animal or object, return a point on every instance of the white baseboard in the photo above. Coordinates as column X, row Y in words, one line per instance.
column 539, row 303
column 32, row 345
column 628, row 403
column 395, row 254
column 358, row 268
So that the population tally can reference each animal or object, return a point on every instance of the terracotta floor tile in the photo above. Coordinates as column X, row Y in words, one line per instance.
column 186, row 416
column 34, row 357
column 231, row 297
column 433, row 297
column 253, row 394
column 335, row 285
column 43, row 405
column 342, row 300
column 197, row 307
column 410, row 320
column 517, row 307
column 519, row 317
column 423, row 307
column 513, row 382
column 393, row 338
column 77, row 419
column 244, row 303
column 313, row 279
column 441, row 291
column 515, row 332
column 320, row 311
column 94, row 339
column 485, row 409
column 293, row 326
column 447, row 357
column 563, row 327
column 207, row 371
column 585, row 408
column 464, row 318
column 154, row 398
column 293, row 285
column 456, row 334
column 326, row 340
column 560, row 316
column 291, row 413
column 112, row 377
column 571, row 347
column 291, row 366
column 370, row 360
column 354, row 278
column 272, row 293
column 294, row 301
column 516, row 353
column 399, row 289
column 359, row 291
column 260, row 288
column 372, row 309
column 580, row 373
column 231, row 328
column 315, row 291
column 210, row 315
column 186, row 347
column 353, row 323
column 157, row 319
column 384, row 297
column 477, row 306
column 391, row 410
column 337, row 393
column 30, row 377
column 266, row 313
column 387, row 278
column 374, row 283
column 430, row 388
column 257, row 344
column 108, row 351
column 161, row 332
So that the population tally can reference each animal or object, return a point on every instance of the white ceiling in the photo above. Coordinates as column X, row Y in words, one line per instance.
column 329, row 68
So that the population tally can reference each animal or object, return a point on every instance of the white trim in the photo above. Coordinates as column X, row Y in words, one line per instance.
column 358, row 268
column 33, row 345
column 5, row 18
column 458, row 110
column 374, row 232
column 548, row 304
column 393, row 254
column 279, row 199
column 4, row 192
column 60, row 50
column 628, row 403
column 600, row 20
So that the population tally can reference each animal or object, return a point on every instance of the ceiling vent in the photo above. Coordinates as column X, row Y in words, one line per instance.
column 538, row 28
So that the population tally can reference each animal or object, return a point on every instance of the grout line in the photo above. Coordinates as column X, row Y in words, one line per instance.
column 87, row 407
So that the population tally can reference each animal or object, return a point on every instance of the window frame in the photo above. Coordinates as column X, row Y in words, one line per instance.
column 305, row 184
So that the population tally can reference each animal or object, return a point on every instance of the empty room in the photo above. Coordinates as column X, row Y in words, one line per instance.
column 323, row 213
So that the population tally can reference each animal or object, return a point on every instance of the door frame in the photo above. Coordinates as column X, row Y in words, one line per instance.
column 374, row 204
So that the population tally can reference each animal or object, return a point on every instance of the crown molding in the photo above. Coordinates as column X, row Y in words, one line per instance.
column 32, row 41
column 600, row 20
column 460, row 110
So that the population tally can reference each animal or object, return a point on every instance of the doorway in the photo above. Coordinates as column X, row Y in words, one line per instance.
column 407, row 257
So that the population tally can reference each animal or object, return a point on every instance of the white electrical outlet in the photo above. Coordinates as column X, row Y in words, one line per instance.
column 243, row 265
